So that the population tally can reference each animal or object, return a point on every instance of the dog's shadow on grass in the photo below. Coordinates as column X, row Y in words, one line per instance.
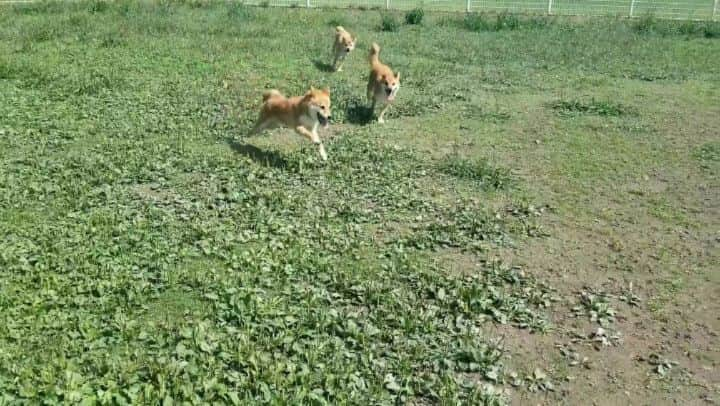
column 323, row 66
column 261, row 156
column 358, row 113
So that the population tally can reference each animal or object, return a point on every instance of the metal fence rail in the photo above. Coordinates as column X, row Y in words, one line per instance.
column 673, row 9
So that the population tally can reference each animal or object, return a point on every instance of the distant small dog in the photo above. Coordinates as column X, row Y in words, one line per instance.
column 344, row 44
column 302, row 113
column 383, row 84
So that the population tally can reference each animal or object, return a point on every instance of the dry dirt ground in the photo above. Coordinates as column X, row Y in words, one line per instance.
column 650, row 242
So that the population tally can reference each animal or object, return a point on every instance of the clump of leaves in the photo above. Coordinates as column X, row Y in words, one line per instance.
column 711, row 29
column 97, row 6
column 597, row 306
column 487, row 176
column 592, row 106
column 539, row 381
column 461, row 227
column 628, row 296
column 414, row 17
column 574, row 358
column 526, row 216
column 602, row 338
column 389, row 23
column 661, row 365
column 709, row 152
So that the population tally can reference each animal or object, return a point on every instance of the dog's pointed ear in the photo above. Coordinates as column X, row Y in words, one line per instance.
column 312, row 89
column 397, row 75
column 326, row 91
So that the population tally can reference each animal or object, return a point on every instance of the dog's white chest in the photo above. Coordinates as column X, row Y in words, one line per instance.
column 308, row 121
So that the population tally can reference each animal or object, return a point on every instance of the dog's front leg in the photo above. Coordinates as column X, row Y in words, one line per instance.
column 381, row 117
column 314, row 137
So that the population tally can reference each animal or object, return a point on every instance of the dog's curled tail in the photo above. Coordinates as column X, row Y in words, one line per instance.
column 374, row 53
column 339, row 28
column 270, row 93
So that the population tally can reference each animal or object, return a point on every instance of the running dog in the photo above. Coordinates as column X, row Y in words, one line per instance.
column 302, row 113
column 344, row 44
column 383, row 84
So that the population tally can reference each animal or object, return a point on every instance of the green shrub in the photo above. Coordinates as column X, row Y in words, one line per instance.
column 477, row 22
column 507, row 21
column 389, row 23
column 646, row 23
column 414, row 17
column 503, row 21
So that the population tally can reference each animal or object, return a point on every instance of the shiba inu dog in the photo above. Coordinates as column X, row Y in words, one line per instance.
column 383, row 84
column 344, row 44
column 302, row 113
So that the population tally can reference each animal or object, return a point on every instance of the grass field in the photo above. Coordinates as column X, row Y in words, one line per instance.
column 536, row 223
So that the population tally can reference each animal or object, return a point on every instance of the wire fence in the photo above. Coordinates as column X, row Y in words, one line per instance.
column 672, row 9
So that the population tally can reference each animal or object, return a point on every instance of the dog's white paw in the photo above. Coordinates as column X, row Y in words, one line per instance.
column 381, row 120
column 323, row 154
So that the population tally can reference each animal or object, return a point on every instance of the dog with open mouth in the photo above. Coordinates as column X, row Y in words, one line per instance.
column 343, row 45
column 302, row 113
column 383, row 84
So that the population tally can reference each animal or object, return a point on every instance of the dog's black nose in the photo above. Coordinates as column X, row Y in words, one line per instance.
column 329, row 118
column 347, row 49
column 388, row 90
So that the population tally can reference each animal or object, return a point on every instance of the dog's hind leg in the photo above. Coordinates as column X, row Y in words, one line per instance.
column 261, row 125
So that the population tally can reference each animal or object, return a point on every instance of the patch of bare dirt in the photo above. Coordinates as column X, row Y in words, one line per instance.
column 654, row 237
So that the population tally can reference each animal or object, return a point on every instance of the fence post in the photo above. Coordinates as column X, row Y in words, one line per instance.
column 387, row 4
column 549, row 7
column 632, row 8
column 307, row 3
column 715, row 10
column 467, row 6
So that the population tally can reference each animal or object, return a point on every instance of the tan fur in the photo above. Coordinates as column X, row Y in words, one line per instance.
column 383, row 84
column 302, row 113
column 343, row 45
